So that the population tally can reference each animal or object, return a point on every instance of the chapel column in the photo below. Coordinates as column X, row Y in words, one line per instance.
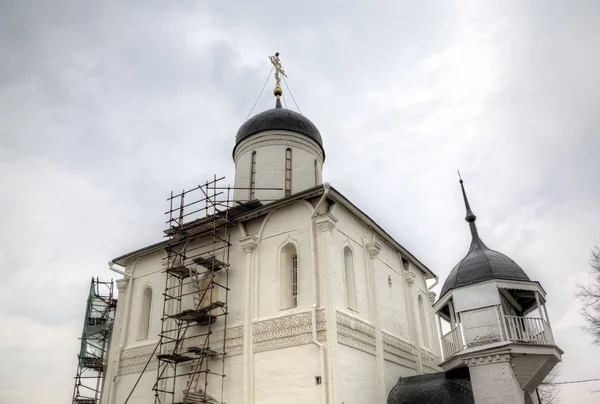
column 435, row 333
column 373, row 249
column 248, row 243
column 409, row 278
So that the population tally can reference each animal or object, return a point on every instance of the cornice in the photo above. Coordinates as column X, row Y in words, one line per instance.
column 278, row 138
column 248, row 243
column 373, row 248
column 326, row 222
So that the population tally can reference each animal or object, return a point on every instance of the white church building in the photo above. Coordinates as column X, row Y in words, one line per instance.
column 280, row 290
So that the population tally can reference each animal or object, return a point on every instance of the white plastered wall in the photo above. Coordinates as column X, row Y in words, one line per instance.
column 283, row 226
column 354, row 369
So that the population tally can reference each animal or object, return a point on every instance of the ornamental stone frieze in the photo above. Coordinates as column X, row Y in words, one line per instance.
column 355, row 333
column 134, row 359
column 288, row 331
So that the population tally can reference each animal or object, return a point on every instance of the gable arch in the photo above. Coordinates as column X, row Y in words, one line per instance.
column 275, row 211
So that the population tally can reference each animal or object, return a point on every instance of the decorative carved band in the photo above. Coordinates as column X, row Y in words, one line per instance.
column 485, row 359
column 288, row 331
column 133, row 360
column 355, row 333
column 276, row 138
column 430, row 362
column 399, row 352
column 234, row 345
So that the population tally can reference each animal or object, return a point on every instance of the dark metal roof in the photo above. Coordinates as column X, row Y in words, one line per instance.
column 481, row 263
column 279, row 119
column 434, row 388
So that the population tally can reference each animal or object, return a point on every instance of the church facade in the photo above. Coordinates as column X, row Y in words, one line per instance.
column 280, row 290
column 323, row 306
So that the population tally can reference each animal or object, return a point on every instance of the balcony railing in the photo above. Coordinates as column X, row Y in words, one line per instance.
column 529, row 330
column 452, row 342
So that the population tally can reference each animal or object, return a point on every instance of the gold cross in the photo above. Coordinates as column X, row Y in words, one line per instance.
column 278, row 70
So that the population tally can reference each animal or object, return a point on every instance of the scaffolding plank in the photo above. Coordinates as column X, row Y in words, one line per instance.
column 175, row 357
column 201, row 316
column 180, row 271
column 211, row 263
column 202, row 351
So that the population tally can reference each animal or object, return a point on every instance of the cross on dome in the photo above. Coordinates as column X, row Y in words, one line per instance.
column 278, row 70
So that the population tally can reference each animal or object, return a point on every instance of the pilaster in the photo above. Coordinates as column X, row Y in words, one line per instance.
column 373, row 248
column 115, row 344
column 248, row 244
column 493, row 380
column 434, row 330
column 325, row 223
column 409, row 278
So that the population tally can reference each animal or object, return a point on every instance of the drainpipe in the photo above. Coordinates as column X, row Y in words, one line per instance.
column 326, row 186
column 437, row 280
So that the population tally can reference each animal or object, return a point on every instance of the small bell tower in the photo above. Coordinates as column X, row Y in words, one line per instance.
column 493, row 320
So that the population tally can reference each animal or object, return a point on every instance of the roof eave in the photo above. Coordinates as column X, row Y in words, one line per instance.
column 309, row 193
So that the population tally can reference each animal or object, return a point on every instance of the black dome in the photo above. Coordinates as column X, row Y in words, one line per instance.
column 440, row 388
column 482, row 264
column 279, row 119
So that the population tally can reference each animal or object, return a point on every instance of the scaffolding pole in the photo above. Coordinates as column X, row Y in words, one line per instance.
column 95, row 338
column 196, row 293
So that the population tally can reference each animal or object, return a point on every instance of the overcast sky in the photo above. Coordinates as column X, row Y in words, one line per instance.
column 107, row 106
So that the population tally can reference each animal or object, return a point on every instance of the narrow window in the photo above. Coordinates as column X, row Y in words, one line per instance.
column 316, row 175
column 423, row 322
column 294, row 280
column 289, row 277
column 288, row 172
column 144, row 325
column 349, row 275
column 253, row 176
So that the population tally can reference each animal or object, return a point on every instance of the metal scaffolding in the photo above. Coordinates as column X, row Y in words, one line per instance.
column 95, row 338
column 192, row 345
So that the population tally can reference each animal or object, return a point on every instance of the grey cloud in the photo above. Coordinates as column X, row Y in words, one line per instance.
column 106, row 107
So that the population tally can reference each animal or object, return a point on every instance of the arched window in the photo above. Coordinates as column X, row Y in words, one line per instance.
column 289, row 276
column 288, row 172
column 145, row 312
column 349, row 278
column 423, row 322
column 316, row 173
column 253, row 176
